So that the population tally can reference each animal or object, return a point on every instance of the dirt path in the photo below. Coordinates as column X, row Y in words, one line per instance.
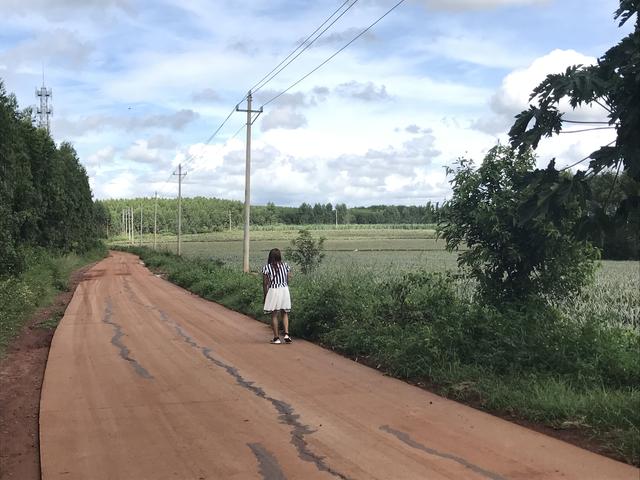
column 146, row 381
column 21, row 373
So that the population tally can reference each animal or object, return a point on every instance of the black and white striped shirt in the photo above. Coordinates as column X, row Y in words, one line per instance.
column 277, row 274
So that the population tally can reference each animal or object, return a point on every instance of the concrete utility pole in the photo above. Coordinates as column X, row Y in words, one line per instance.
column 124, row 227
column 155, row 224
column 180, row 175
column 141, row 208
column 336, row 216
column 247, row 182
column 132, row 230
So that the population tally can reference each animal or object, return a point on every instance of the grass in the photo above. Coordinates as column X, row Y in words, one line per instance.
column 615, row 295
column 45, row 276
column 571, row 366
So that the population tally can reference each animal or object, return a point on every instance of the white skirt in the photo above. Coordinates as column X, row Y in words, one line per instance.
column 277, row 299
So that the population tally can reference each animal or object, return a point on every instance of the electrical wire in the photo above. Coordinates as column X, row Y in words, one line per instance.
column 586, row 129
column 301, row 44
column 332, row 56
column 584, row 121
column 585, row 158
column 305, row 48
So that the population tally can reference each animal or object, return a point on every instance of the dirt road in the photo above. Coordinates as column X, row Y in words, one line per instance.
column 146, row 381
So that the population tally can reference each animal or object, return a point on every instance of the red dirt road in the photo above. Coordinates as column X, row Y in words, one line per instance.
column 146, row 381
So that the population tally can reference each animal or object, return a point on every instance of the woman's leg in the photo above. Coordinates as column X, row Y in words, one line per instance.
column 285, row 322
column 274, row 323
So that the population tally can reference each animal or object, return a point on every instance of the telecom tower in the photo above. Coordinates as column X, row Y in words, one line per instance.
column 45, row 109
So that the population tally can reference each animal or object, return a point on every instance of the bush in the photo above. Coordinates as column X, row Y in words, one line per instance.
column 511, row 258
column 306, row 252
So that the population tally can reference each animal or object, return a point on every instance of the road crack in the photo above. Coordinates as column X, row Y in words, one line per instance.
column 286, row 412
column 116, row 340
column 405, row 438
column 269, row 466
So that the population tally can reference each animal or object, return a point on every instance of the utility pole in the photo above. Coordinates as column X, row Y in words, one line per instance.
column 247, row 182
column 155, row 224
column 229, row 220
column 124, row 227
column 336, row 216
column 141, row 224
column 180, row 175
column 131, row 228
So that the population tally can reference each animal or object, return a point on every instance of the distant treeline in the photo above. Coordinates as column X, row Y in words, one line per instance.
column 202, row 215
column 45, row 198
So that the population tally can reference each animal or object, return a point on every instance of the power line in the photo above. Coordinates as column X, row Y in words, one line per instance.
column 586, row 129
column 332, row 56
column 300, row 45
column 585, row 121
column 305, row 48
column 192, row 156
column 261, row 83
column 585, row 158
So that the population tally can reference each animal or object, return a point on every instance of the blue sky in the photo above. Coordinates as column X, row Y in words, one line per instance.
column 139, row 86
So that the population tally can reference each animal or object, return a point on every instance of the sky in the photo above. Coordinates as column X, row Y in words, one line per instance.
column 140, row 87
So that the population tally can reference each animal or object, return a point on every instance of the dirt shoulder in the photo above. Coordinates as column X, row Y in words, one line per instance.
column 21, row 374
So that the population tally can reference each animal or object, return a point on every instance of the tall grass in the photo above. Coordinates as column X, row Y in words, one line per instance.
column 46, row 275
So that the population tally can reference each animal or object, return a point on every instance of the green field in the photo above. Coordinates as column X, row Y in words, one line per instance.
column 615, row 294
column 573, row 366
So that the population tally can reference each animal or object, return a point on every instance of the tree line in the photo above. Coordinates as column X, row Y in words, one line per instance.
column 45, row 197
column 203, row 215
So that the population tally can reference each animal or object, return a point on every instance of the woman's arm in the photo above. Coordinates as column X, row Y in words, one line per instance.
column 265, row 286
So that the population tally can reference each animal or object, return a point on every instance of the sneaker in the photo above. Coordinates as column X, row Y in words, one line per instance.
column 287, row 338
column 276, row 341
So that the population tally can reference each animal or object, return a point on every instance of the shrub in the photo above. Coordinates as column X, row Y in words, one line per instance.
column 306, row 252
column 512, row 259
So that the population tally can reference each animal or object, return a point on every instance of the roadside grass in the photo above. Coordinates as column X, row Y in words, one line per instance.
column 563, row 368
column 46, row 275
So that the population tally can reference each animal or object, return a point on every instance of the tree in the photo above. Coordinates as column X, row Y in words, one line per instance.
column 305, row 251
column 45, row 198
column 511, row 261
column 614, row 84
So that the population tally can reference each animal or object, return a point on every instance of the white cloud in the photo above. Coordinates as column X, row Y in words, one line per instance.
column 206, row 95
column 133, row 122
column 367, row 92
column 61, row 9
column 476, row 47
column 512, row 96
column 478, row 4
column 283, row 117
column 58, row 46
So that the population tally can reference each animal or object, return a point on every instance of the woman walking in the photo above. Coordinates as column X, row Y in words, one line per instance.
column 275, row 286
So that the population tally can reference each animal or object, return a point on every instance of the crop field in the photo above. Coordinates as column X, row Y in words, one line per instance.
column 615, row 294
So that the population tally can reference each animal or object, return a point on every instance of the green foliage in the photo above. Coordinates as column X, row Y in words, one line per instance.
column 617, row 237
column 614, row 84
column 526, row 358
column 45, row 198
column 512, row 260
column 44, row 275
column 203, row 215
column 306, row 252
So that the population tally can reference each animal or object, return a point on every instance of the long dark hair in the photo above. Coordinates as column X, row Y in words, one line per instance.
column 275, row 258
